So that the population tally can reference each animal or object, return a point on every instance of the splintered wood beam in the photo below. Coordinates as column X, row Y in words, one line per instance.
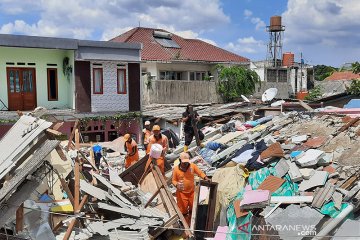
column 20, row 218
column 152, row 197
column 72, row 133
column 67, row 190
column 77, row 185
column 172, row 200
column 69, row 230
column 61, row 153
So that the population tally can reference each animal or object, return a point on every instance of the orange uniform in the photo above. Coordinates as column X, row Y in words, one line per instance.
column 147, row 134
column 185, row 197
column 132, row 153
column 164, row 142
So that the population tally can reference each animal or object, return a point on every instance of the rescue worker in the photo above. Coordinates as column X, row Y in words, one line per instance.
column 187, row 119
column 161, row 139
column 146, row 134
column 183, row 180
column 131, row 148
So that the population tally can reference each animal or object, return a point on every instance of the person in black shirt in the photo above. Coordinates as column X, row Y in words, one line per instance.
column 187, row 118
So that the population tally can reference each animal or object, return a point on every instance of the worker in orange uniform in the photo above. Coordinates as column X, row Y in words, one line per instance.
column 161, row 139
column 131, row 148
column 146, row 134
column 183, row 180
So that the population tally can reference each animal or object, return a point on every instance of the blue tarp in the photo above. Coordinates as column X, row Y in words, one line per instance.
column 353, row 103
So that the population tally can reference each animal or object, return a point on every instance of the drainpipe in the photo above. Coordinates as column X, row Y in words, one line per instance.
column 339, row 218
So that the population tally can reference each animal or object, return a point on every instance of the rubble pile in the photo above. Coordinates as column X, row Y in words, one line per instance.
column 268, row 175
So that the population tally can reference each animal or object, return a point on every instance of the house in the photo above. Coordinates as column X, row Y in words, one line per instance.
column 178, row 70
column 84, row 79
column 343, row 76
column 288, row 78
column 61, row 73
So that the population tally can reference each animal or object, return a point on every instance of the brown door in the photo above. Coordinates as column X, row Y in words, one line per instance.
column 21, row 89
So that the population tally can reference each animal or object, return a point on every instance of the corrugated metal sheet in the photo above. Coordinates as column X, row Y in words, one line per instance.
column 29, row 167
column 20, row 137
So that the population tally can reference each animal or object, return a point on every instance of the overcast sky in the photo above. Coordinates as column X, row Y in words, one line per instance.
column 325, row 31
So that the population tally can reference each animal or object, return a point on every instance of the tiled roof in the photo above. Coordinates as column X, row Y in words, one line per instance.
column 346, row 75
column 190, row 49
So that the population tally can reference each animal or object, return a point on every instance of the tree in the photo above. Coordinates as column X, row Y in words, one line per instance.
column 322, row 71
column 355, row 67
column 235, row 81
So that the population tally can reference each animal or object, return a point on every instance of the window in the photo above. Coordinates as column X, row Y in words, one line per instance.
column 170, row 75
column 198, row 76
column 52, row 84
column 121, row 81
column 98, row 80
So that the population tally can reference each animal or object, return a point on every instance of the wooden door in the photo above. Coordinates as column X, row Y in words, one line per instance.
column 21, row 89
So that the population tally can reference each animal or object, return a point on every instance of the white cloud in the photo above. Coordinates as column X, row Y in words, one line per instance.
column 109, row 18
column 259, row 24
column 247, row 13
column 246, row 45
column 324, row 21
column 326, row 30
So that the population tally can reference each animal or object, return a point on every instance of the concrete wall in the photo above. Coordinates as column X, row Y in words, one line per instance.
column 41, row 57
column 282, row 87
column 179, row 92
column 109, row 100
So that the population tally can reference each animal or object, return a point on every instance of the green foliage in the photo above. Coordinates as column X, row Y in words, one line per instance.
column 67, row 68
column 355, row 67
column 235, row 81
column 322, row 71
column 314, row 93
column 117, row 117
column 354, row 88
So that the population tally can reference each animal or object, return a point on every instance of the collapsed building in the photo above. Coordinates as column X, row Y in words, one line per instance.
column 294, row 175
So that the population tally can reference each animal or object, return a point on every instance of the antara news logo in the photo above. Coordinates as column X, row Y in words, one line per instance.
column 298, row 229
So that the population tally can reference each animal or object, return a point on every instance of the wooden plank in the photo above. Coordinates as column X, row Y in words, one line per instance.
column 20, row 218
column 172, row 200
column 53, row 132
column 57, row 126
column 349, row 124
column 72, row 133
column 172, row 220
column 306, row 106
column 61, row 153
column 77, row 139
column 67, row 190
column 152, row 198
column 69, row 229
column 77, row 185
column 194, row 209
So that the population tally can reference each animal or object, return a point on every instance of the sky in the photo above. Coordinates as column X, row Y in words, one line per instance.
column 324, row 31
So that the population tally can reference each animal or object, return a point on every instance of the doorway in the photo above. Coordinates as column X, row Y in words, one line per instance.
column 21, row 89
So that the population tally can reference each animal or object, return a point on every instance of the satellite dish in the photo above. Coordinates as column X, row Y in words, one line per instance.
column 245, row 98
column 277, row 103
column 269, row 94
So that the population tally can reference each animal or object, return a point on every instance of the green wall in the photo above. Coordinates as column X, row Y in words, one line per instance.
column 41, row 57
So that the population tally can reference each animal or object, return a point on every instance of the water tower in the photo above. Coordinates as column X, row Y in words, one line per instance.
column 275, row 42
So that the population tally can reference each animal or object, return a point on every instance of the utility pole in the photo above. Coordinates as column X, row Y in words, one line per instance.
column 301, row 72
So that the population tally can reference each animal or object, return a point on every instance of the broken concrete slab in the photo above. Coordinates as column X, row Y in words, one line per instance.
column 299, row 139
column 310, row 158
column 337, row 198
column 323, row 195
column 91, row 190
column 294, row 172
column 318, row 179
column 291, row 199
column 306, row 173
column 281, row 168
column 326, row 159
column 129, row 212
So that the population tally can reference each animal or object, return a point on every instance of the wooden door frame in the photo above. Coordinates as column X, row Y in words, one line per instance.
column 21, row 82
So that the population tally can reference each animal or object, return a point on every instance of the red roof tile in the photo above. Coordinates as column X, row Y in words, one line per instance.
column 346, row 75
column 190, row 49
